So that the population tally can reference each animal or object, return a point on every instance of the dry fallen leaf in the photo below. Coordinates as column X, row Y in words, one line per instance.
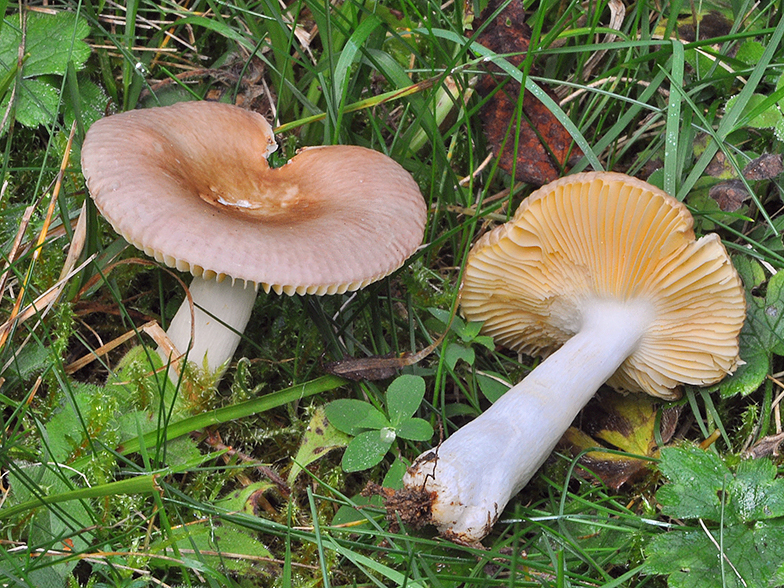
column 719, row 167
column 544, row 148
column 729, row 195
column 766, row 446
column 710, row 25
column 765, row 167
column 625, row 423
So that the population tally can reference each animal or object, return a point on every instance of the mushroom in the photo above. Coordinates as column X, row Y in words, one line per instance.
column 189, row 184
column 600, row 272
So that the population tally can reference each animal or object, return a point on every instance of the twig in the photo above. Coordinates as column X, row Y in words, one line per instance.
column 214, row 441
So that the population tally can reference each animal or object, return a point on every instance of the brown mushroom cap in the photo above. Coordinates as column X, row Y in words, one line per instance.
column 189, row 185
column 601, row 235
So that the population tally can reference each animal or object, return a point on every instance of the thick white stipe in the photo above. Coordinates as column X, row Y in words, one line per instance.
column 230, row 304
column 482, row 465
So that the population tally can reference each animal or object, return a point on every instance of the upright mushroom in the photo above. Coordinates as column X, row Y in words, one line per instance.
column 189, row 185
column 602, row 273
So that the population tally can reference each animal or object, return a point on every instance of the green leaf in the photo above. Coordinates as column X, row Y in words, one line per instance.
column 749, row 376
column 442, row 315
column 92, row 104
column 697, row 479
column 445, row 317
column 762, row 334
column 62, row 528
column 738, row 540
column 216, row 543
column 245, row 499
column 455, row 352
column 349, row 514
column 365, row 450
column 767, row 119
column 89, row 408
column 37, row 103
column 32, row 359
column 755, row 493
column 52, row 41
column 319, row 439
column 415, row 430
column 353, row 416
column 359, row 515
column 470, row 331
column 394, row 476
column 492, row 385
column 750, row 52
column 183, row 451
column 364, row 562
column 691, row 559
column 404, row 395
column 751, row 272
column 485, row 341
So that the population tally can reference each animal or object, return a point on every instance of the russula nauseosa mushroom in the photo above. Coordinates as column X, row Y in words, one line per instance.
column 189, row 185
column 601, row 273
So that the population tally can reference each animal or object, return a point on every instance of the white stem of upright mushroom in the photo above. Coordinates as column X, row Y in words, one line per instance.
column 482, row 465
column 217, row 331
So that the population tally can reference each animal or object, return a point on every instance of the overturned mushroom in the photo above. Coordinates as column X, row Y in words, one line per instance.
column 189, row 185
column 602, row 273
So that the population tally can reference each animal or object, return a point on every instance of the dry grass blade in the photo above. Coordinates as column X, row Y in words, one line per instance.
column 39, row 307
column 15, row 247
column 51, row 297
column 87, row 359
column 617, row 14
column 153, row 329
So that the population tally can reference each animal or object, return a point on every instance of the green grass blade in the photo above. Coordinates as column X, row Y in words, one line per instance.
column 137, row 485
column 731, row 118
column 672, row 130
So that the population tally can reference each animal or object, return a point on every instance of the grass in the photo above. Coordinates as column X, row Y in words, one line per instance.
column 110, row 477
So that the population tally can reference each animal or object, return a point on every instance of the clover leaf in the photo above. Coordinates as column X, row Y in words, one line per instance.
column 373, row 431
column 468, row 335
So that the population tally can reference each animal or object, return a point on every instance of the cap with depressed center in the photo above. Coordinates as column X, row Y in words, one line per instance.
column 602, row 273
column 189, row 184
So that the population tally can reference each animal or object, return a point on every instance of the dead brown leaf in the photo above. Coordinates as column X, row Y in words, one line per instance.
column 535, row 147
column 764, row 447
column 719, row 167
column 765, row 167
column 713, row 24
column 729, row 195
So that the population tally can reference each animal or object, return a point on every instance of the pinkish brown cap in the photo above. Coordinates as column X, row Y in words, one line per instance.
column 189, row 185
column 603, row 235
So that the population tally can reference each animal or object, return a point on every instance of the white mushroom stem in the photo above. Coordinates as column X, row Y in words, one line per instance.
column 482, row 465
column 221, row 313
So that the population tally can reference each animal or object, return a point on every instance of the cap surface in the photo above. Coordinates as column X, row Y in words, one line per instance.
column 603, row 235
column 189, row 185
